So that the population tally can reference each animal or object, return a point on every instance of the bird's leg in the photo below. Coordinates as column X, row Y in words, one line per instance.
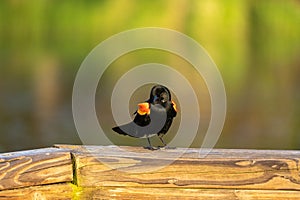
column 161, row 139
column 150, row 146
column 165, row 144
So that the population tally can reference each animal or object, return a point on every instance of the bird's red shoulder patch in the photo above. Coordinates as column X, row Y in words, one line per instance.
column 143, row 109
column 174, row 105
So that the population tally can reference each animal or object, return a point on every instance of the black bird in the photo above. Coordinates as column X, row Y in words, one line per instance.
column 153, row 117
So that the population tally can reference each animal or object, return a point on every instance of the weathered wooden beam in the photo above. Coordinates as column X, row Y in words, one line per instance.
column 110, row 166
column 35, row 167
column 111, row 172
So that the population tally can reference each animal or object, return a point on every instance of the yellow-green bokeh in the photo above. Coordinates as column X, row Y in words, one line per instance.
column 255, row 44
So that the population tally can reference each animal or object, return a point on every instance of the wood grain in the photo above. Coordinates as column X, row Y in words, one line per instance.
column 55, row 191
column 129, row 193
column 234, row 169
column 35, row 167
column 111, row 172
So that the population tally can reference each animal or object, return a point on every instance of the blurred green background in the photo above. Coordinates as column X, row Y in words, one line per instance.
column 255, row 44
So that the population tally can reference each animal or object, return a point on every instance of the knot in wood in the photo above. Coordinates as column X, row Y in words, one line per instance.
column 172, row 181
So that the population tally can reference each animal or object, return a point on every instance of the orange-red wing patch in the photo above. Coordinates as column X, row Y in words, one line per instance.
column 143, row 108
column 174, row 105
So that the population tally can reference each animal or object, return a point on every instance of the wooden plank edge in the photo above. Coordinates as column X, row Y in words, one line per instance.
column 189, row 153
column 71, row 191
column 184, row 193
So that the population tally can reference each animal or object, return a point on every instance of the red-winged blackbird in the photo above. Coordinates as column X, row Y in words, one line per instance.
column 153, row 117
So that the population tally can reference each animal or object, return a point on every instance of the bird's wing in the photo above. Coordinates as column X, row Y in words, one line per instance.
column 145, row 125
column 130, row 129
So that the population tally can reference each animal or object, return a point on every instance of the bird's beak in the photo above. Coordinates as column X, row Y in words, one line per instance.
column 143, row 108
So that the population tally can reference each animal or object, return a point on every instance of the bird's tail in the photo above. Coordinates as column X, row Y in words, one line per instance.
column 119, row 130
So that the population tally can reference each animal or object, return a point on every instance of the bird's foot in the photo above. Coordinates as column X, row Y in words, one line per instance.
column 151, row 148
column 166, row 147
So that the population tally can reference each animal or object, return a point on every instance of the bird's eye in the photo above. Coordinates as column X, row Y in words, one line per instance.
column 163, row 97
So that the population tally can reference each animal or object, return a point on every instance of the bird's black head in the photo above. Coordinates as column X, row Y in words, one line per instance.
column 159, row 95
